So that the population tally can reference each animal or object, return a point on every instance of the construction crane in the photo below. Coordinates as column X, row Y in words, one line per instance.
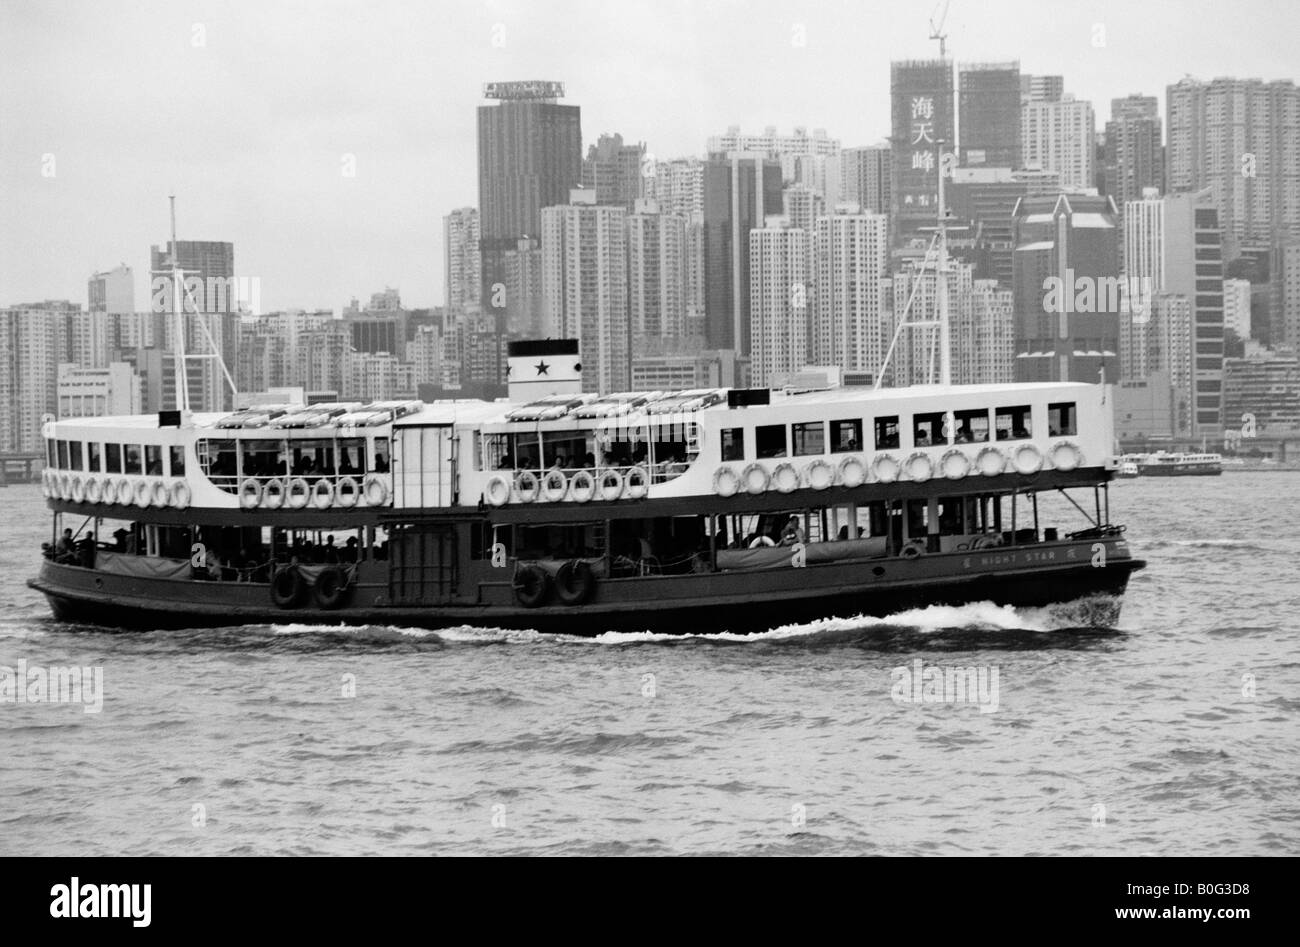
column 936, row 28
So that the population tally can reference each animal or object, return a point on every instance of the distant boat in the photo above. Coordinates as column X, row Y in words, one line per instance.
column 1171, row 464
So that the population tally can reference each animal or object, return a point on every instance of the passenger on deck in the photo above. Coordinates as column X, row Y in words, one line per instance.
column 922, row 439
column 964, row 434
column 381, row 464
column 589, row 461
column 119, row 537
column 507, row 462
column 843, row 534
column 331, row 551
column 793, row 532
column 66, row 549
column 86, row 551
column 349, row 553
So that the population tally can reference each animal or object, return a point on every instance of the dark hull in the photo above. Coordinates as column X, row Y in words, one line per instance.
column 1175, row 471
column 675, row 605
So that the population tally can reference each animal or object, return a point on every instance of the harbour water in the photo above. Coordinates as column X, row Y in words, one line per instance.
column 1173, row 733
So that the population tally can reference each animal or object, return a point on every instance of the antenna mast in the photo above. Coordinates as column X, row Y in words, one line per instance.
column 178, row 329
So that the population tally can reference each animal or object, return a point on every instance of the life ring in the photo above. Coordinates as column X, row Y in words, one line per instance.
column 322, row 495
column 331, row 588
column 985, row 542
column 554, row 486
column 726, row 482
column 497, row 491
column 912, row 550
column 287, row 587
column 919, row 466
column 375, row 490
column 637, row 483
column 45, row 484
column 77, row 490
column 273, row 494
column 582, row 487
column 142, row 493
column 348, row 493
column 954, row 464
column 160, row 494
column 574, row 582
column 1067, row 456
column 532, row 586
column 885, row 468
column 94, row 489
column 180, row 495
column 819, row 475
column 526, row 486
column 755, row 478
column 64, row 491
column 785, row 479
column 610, row 485
column 125, row 492
column 1027, row 459
column 250, row 494
column 297, row 494
column 990, row 462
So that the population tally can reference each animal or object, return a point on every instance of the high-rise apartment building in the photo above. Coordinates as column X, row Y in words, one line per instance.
column 1134, row 154
column 29, row 365
column 462, row 260
column 584, row 284
column 1236, row 307
column 852, row 258
column 615, row 171
column 864, row 178
column 656, row 274
column 1041, row 88
column 211, row 297
column 1060, row 136
column 778, row 300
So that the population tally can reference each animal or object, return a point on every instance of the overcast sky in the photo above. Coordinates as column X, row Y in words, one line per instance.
column 246, row 109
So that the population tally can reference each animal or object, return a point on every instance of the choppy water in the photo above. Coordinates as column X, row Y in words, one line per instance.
column 487, row 741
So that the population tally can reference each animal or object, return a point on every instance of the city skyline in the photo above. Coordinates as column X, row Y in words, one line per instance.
column 262, row 165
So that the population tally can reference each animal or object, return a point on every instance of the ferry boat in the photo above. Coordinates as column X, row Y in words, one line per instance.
column 1167, row 464
column 562, row 511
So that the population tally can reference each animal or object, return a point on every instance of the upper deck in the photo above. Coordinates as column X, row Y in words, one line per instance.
column 576, row 448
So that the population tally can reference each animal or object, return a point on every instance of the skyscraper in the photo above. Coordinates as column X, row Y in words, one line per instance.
column 989, row 114
column 1060, row 136
column 778, row 301
column 29, row 365
column 1194, row 268
column 1041, row 88
column 615, row 171
column 584, row 282
column 109, row 295
column 922, row 116
column 741, row 190
column 529, row 157
column 1134, row 150
column 212, row 301
column 1067, row 288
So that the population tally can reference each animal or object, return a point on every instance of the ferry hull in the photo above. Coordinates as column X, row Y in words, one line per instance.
column 87, row 597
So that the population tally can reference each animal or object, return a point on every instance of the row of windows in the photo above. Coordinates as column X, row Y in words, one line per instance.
column 94, row 457
column 938, row 428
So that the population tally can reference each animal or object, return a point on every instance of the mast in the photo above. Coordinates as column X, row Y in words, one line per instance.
column 178, row 328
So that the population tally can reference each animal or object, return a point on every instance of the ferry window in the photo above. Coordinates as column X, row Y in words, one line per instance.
column 352, row 456
column 93, row 455
column 134, row 459
column 74, row 455
column 527, row 453
column 314, row 456
column 63, row 455
column 972, row 426
column 381, row 455
column 217, row 458
column 1062, row 419
column 263, row 458
column 809, row 438
column 733, row 443
column 770, row 440
column 112, row 458
column 1013, row 424
column 153, row 460
column 177, row 460
column 51, row 454
column 886, row 432
column 496, row 452
column 929, row 429
column 846, row 435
